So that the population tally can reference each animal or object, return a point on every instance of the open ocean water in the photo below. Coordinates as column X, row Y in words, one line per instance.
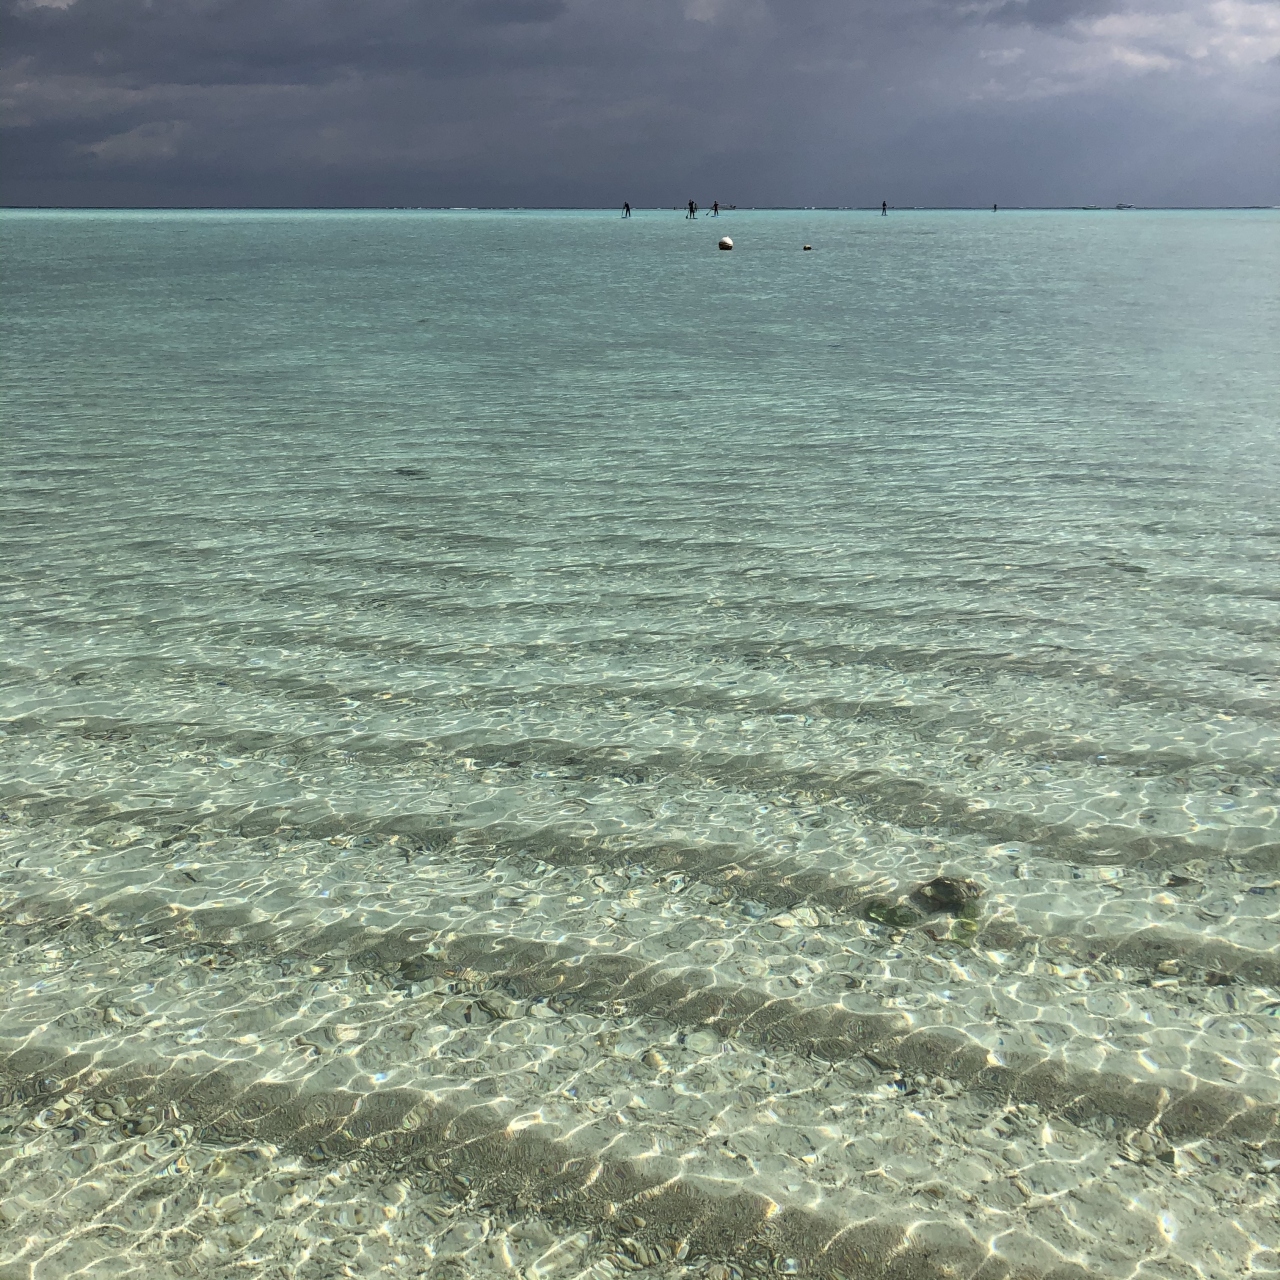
column 533, row 747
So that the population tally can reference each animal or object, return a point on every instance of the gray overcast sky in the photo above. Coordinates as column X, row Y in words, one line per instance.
column 589, row 102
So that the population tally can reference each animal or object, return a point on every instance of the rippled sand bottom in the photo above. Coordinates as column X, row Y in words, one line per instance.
column 396, row 1059
column 531, row 754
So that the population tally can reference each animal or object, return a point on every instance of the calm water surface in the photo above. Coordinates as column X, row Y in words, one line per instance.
column 481, row 695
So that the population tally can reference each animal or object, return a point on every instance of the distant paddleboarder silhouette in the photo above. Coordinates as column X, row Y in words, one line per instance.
column 884, row 208
column 715, row 208
column 693, row 210
column 626, row 209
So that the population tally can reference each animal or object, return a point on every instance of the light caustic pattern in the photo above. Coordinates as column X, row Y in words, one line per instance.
column 483, row 695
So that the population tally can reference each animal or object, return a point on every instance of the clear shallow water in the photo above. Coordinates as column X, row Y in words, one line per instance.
column 481, row 691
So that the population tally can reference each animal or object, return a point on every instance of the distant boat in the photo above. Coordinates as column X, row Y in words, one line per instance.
column 1124, row 206
column 1091, row 208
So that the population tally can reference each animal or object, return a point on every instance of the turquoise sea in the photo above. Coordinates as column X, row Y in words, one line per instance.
column 532, row 747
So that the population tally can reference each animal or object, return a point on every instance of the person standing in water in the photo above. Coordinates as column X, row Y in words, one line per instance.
column 884, row 208
column 994, row 208
column 626, row 209
column 715, row 208
column 693, row 210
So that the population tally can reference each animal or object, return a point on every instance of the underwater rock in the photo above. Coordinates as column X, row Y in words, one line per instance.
column 895, row 915
column 947, row 893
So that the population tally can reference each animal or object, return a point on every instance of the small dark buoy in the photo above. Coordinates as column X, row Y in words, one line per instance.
column 725, row 242
column 808, row 248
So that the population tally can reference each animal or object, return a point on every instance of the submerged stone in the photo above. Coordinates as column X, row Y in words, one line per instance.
column 896, row 916
column 947, row 893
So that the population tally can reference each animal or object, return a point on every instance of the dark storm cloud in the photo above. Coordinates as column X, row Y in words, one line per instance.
column 585, row 101
column 280, row 41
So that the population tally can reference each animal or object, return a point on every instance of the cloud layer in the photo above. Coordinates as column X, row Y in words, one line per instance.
column 528, row 102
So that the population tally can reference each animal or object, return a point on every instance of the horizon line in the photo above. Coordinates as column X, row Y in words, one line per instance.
column 573, row 208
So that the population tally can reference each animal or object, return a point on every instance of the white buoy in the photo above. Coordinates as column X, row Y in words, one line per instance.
column 725, row 242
